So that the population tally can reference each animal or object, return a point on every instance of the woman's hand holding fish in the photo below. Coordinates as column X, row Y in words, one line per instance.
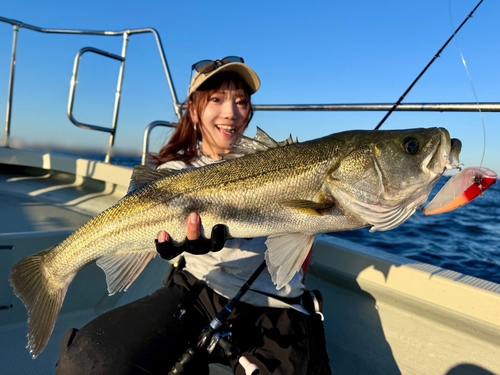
column 193, row 225
column 194, row 244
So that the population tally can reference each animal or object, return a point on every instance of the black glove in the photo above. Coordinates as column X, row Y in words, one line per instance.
column 199, row 246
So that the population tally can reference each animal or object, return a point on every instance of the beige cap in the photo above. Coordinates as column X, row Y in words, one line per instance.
column 244, row 71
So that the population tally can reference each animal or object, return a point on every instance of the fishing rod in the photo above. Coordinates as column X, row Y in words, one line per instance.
column 211, row 337
column 425, row 69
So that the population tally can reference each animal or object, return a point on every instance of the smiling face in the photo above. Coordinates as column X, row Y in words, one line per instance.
column 225, row 115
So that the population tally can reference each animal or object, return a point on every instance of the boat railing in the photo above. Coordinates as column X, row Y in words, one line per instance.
column 125, row 34
column 178, row 107
column 74, row 82
column 410, row 107
column 147, row 132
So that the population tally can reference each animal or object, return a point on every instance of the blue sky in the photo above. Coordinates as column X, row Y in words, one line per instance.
column 317, row 52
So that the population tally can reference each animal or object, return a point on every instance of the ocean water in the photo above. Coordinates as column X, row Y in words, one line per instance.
column 466, row 240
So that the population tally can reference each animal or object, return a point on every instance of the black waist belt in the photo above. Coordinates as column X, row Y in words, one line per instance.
column 312, row 301
column 288, row 300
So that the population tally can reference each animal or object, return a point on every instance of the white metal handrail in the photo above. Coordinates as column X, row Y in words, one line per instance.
column 74, row 83
column 125, row 34
column 147, row 132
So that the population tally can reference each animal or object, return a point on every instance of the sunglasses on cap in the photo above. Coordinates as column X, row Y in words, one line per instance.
column 207, row 66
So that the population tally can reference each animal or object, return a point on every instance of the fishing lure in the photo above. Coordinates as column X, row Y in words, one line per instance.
column 461, row 189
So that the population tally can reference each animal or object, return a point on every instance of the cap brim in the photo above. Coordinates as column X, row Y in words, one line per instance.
column 245, row 72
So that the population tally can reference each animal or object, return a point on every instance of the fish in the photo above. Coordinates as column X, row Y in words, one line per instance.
column 461, row 189
column 286, row 191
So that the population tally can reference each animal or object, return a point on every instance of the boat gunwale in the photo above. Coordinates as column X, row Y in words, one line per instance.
column 386, row 275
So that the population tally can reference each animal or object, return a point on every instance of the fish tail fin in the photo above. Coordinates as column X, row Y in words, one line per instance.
column 42, row 303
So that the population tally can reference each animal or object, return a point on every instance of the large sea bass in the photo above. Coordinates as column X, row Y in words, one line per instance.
column 290, row 193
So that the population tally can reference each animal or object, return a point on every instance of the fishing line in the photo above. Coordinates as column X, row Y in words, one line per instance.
column 471, row 83
column 425, row 69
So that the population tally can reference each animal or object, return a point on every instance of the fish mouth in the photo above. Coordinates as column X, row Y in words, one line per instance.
column 456, row 147
column 444, row 156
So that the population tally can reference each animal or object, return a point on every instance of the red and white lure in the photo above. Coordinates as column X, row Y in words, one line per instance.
column 461, row 189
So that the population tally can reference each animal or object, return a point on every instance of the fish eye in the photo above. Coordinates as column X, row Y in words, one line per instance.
column 411, row 145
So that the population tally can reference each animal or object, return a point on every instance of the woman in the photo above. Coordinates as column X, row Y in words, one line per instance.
column 270, row 327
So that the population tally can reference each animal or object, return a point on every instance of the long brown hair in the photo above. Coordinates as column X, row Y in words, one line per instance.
column 184, row 143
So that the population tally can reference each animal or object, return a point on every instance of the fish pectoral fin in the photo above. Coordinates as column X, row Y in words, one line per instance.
column 308, row 207
column 124, row 267
column 285, row 255
column 143, row 175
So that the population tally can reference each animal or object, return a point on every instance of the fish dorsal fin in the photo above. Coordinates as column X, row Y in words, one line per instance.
column 308, row 207
column 124, row 267
column 261, row 142
column 285, row 255
column 143, row 175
